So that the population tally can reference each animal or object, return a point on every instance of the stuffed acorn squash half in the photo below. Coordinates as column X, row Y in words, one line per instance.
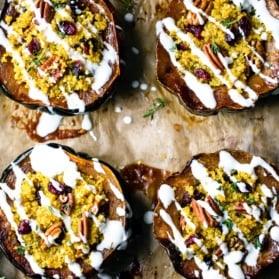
column 62, row 214
column 59, row 56
column 218, row 218
column 219, row 54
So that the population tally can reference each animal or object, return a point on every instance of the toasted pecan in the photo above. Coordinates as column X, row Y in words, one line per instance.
column 46, row 10
column 54, row 231
column 202, row 215
column 205, row 5
column 213, row 57
column 83, row 227
column 214, row 205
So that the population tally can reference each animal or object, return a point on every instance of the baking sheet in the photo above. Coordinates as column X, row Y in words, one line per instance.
column 121, row 135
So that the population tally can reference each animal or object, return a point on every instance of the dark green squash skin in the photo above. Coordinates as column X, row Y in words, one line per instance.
column 61, row 111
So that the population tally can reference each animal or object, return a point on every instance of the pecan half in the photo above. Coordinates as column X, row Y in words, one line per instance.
column 83, row 228
column 182, row 222
column 214, row 205
column 53, row 232
column 236, row 244
column 46, row 10
column 239, row 208
column 258, row 57
column 205, row 5
column 53, row 67
column 218, row 253
column 202, row 215
column 213, row 57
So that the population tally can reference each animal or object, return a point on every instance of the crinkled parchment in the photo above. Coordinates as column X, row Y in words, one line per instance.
column 121, row 135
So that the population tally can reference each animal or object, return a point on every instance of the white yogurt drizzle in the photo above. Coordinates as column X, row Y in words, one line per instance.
column 102, row 71
column 51, row 162
column 203, row 91
column 232, row 259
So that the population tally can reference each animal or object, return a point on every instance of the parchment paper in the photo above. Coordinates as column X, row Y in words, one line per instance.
column 121, row 135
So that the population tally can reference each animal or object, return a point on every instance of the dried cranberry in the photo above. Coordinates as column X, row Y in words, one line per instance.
column 67, row 189
column 202, row 74
column 232, row 39
column 77, row 68
column 198, row 195
column 67, row 27
column 54, row 190
column 24, row 227
column 34, row 46
column 191, row 239
column 186, row 199
column 196, row 30
column 245, row 25
column 182, row 46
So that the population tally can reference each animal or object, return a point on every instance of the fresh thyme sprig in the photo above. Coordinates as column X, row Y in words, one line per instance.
column 257, row 244
column 215, row 48
column 158, row 104
column 227, row 23
column 37, row 60
column 128, row 4
column 57, row 4
column 228, row 223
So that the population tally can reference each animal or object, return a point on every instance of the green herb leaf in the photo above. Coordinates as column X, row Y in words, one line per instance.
column 158, row 104
column 257, row 244
column 215, row 48
column 251, row 201
column 37, row 61
column 57, row 4
column 233, row 171
column 21, row 249
column 228, row 223
column 173, row 48
column 234, row 186
column 227, row 23
column 128, row 4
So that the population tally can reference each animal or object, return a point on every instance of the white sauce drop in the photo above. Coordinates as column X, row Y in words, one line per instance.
column 166, row 195
column 86, row 122
column 274, row 233
column 113, row 235
column 48, row 123
column 148, row 217
column 96, row 260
